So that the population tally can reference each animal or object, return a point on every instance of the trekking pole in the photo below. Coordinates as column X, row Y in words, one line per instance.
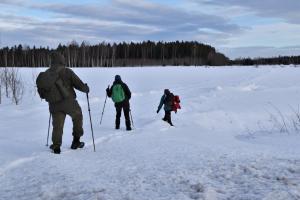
column 48, row 130
column 103, row 108
column 131, row 118
column 87, row 96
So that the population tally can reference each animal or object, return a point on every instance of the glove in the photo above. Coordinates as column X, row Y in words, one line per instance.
column 157, row 111
column 107, row 90
column 87, row 89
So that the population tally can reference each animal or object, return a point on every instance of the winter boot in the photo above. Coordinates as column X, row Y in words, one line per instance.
column 55, row 150
column 128, row 125
column 76, row 143
column 170, row 122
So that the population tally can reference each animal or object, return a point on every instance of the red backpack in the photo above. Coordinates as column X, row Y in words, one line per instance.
column 176, row 103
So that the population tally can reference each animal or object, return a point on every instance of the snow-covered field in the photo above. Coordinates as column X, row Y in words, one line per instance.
column 236, row 137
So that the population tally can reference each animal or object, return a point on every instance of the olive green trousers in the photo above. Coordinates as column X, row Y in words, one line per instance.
column 72, row 109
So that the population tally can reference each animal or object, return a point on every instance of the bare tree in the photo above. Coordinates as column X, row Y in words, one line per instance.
column 34, row 76
column 16, row 86
column 5, row 80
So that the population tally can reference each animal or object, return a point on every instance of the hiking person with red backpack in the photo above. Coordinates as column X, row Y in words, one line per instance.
column 120, row 94
column 170, row 104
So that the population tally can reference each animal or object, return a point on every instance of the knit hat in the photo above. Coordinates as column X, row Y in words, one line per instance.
column 118, row 78
column 57, row 59
column 167, row 91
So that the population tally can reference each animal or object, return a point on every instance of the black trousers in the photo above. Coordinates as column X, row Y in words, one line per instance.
column 167, row 117
column 126, row 109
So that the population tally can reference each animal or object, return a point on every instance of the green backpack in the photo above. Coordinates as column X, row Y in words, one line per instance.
column 118, row 94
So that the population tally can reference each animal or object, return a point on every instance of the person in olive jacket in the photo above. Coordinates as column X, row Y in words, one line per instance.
column 67, row 105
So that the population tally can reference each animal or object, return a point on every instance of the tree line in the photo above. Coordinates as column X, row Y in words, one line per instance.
column 147, row 53
column 280, row 60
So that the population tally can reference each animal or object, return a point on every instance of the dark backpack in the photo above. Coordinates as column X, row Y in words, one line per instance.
column 169, row 100
column 51, row 87
column 118, row 94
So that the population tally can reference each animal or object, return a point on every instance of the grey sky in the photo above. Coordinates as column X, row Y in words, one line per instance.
column 264, row 28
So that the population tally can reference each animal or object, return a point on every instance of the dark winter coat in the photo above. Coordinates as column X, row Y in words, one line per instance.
column 166, row 102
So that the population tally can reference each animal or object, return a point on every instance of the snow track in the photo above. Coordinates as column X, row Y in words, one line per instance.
column 146, row 175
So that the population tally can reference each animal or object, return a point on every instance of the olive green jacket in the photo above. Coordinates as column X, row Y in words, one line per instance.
column 70, row 81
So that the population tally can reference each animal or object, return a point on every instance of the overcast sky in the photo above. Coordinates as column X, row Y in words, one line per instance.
column 238, row 28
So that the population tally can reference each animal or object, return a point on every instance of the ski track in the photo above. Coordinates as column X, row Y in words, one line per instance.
column 139, row 165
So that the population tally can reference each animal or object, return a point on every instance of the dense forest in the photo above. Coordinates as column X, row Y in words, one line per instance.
column 280, row 60
column 146, row 53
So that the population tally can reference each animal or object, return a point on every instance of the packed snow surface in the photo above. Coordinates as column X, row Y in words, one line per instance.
column 236, row 137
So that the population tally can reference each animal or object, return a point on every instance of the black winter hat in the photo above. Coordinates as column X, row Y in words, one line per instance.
column 167, row 91
column 118, row 78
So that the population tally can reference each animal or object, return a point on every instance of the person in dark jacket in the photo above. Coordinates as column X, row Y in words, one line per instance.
column 120, row 94
column 67, row 105
column 166, row 101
